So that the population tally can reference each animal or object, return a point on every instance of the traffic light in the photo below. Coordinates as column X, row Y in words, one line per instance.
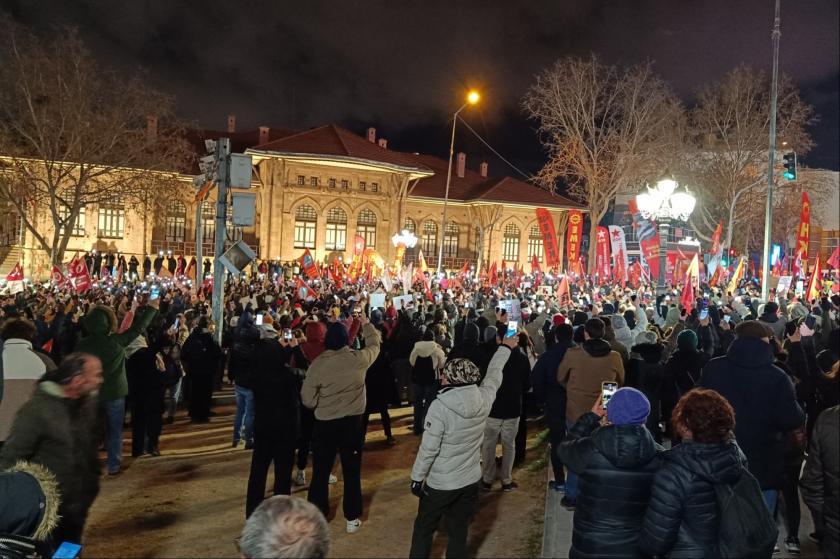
column 790, row 166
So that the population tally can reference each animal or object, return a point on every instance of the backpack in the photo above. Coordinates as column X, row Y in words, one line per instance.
column 746, row 527
column 423, row 371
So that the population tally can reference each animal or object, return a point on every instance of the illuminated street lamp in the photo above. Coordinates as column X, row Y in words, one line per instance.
column 472, row 98
column 662, row 204
column 402, row 240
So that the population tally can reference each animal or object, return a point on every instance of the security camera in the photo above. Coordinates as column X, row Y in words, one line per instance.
column 210, row 146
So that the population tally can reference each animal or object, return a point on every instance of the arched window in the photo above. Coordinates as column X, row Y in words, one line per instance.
column 112, row 219
column 176, row 221
column 428, row 238
column 336, row 229
column 366, row 227
column 510, row 243
column 208, row 221
column 535, row 244
column 409, row 225
column 305, row 223
column 450, row 240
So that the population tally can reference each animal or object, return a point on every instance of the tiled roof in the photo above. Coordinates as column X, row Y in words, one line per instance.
column 508, row 189
column 334, row 140
column 239, row 141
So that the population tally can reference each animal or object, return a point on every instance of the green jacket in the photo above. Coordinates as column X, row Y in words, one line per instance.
column 109, row 347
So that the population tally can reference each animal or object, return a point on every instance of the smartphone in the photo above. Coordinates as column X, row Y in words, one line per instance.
column 287, row 334
column 608, row 388
column 67, row 550
column 810, row 321
column 154, row 293
column 513, row 328
column 177, row 323
column 259, row 320
column 704, row 314
column 726, row 318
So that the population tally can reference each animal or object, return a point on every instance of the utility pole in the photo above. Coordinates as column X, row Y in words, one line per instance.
column 199, row 238
column 771, row 158
column 223, row 183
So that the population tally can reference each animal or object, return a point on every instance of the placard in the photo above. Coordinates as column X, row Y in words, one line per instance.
column 377, row 300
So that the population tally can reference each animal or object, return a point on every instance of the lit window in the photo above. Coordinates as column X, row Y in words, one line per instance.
column 336, row 229
column 428, row 238
column 208, row 221
column 450, row 240
column 331, row 183
column 366, row 227
column 345, row 184
column 374, row 187
column 535, row 244
column 176, row 222
column 409, row 225
column 301, row 180
column 305, row 223
column 112, row 220
column 510, row 243
column 313, row 181
column 362, row 186
column 78, row 229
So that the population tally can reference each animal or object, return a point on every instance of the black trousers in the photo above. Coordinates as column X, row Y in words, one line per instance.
column 556, row 434
column 386, row 421
column 343, row 437
column 282, row 454
column 201, row 395
column 458, row 505
column 307, row 424
column 146, row 422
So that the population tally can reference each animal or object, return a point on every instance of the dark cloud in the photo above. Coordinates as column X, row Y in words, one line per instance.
column 403, row 66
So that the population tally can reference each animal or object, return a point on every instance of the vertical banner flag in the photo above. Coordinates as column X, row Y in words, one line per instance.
column 619, row 250
column 79, row 275
column 15, row 279
column 535, row 264
column 648, row 234
column 573, row 237
column 57, row 276
column 803, row 234
column 602, row 254
column 563, row 293
column 815, row 285
column 736, row 276
column 358, row 245
column 308, row 265
column 549, row 236
column 717, row 252
column 692, row 277
column 422, row 260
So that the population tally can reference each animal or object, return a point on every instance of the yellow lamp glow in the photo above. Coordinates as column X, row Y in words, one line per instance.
column 473, row 97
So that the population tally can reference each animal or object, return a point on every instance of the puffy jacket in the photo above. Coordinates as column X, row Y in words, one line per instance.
column 470, row 349
column 428, row 349
column 201, row 354
column 682, row 517
column 22, row 368
column 582, row 371
column 276, row 394
column 103, row 342
column 516, row 381
column 623, row 334
column 544, row 381
column 449, row 454
column 820, row 482
column 775, row 323
column 242, row 364
column 764, row 401
column 646, row 374
column 616, row 464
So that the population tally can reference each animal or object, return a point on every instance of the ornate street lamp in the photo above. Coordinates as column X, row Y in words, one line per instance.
column 402, row 240
column 663, row 204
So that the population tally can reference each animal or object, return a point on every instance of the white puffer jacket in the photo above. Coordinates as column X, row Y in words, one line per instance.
column 449, row 455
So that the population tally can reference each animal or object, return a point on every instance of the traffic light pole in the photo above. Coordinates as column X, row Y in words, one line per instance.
column 771, row 156
column 223, row 158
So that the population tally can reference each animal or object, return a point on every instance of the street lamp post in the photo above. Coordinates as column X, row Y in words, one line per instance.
column 472, row 98
column 664, row 204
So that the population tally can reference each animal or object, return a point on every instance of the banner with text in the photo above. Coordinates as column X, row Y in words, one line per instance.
column 803, row 234
column 574, row 234
column 549, row 237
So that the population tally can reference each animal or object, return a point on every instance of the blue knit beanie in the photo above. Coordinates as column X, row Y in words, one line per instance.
column 628, row 406
column 336, row 337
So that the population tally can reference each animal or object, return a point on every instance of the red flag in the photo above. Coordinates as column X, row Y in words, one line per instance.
column 504, row 269
column 535, row 264
column 79, row 274
column 602, row 254
column 815, row 284
column 120, row 273
column 562, row 292
column 304, row 292
column 549, row 235
column 48, row 346
column 803, row 234
column 191, row 269
column 358, row 245
column 647, row 233
column 57, row 276
column 692, row 274
column 465, row 269
column 834, row 259
column 494, row 276
column 15, row 279
column 574, row 235
column 308, row 265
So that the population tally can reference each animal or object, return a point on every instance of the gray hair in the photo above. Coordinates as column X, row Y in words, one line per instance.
column 285, row 526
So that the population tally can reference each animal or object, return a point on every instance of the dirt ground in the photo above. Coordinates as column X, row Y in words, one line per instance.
column 190, row 501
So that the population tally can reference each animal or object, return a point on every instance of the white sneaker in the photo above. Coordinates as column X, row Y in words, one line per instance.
column 333, row 479
column 300, row 478
column 353, row 526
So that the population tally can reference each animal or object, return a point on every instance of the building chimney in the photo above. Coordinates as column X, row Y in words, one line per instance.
column 151, row 129
column 371, row 135
column 462, row 164
column 483, row 169
column 264, row 134
column 383, row 143
column 231, row 124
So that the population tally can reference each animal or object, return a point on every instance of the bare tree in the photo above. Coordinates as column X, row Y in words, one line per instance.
column 726, row 159
column 604, row 128
column 74, row 134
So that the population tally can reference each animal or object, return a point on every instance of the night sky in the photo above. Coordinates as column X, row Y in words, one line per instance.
column 403, row 67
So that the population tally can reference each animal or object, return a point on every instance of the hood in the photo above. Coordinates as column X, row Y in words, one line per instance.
column 33, row 485
column 713, row 462
column 750, row 353
column 770, row 318
column 315, row 332
column 596, row 348
column 426, row 349
column 464, row 401
column 651, row 353
column 672, row 317
column 100, row 321
column 625, row 446
column 267, row 332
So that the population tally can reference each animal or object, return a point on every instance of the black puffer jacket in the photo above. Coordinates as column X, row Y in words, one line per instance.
column 646, row 375
column 682, row 517
column 616, row 465
column 820, row 483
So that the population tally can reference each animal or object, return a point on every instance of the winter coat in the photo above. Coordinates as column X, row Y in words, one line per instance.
column 616, row 465
column 764, row 402
column 145, row 381
column 470, row 349
column 276, row 394
column 682, row 517
column 820, row 482
column 516, row 381
column 582, row 371
column 535, row 333
column 103, row 342
column 776, row 324
column 681, row 374
column 544, row 381
column 623, row 334
column 646, row 374
column 380, row 383
column 60, row 434
column 242, row 364
column 22, row 368
column 201, row 354
column 428, row 349
column 335, row 382
column 449, row 454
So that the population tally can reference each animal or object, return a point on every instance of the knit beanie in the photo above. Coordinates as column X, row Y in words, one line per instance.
column 628, row 406
column 687, row 340
column 461, row 371
column 336, row 336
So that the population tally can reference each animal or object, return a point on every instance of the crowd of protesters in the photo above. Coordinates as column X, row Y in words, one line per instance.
column 729, row 385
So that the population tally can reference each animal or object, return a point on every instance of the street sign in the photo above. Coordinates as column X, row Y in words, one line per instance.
column 237, row 257
column 241, row 170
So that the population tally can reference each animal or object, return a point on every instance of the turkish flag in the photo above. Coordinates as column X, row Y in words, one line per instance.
column 15, row 279
column 834, row 259
column 358, row 245
column 57, row 276
column 79, row 275
column 563, row 294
